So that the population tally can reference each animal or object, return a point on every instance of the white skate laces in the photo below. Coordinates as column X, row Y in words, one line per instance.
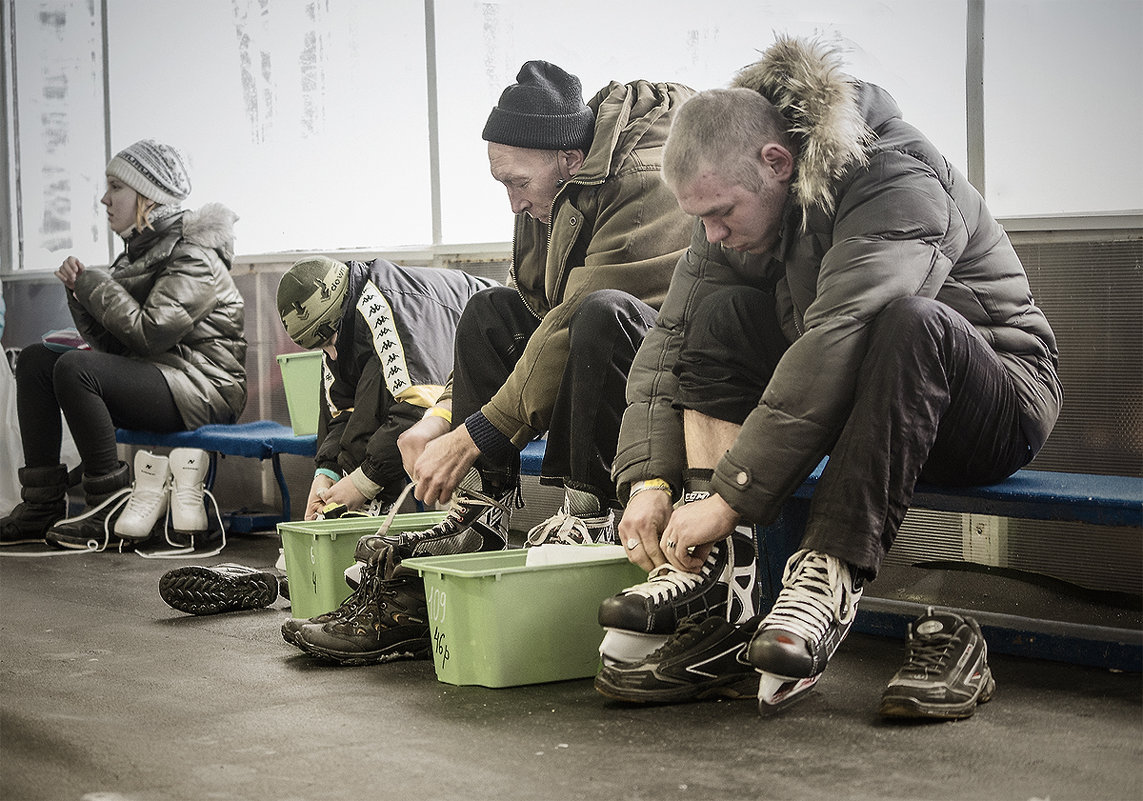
column 667, row 582
column 810, row 618
column 564, row 528
column 148, row 501
column 817, row 593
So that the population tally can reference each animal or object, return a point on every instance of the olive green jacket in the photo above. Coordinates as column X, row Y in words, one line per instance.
column 169, row 299
column 615, row 225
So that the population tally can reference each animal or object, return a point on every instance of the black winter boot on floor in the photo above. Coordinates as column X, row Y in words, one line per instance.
column 104, row 495
column 44, row 494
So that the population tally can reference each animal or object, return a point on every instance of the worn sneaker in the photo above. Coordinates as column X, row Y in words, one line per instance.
column 946, row 671
column 384, row 619
column 704, row 658
column 640, row 618
column 221, row 588
column 809, row 619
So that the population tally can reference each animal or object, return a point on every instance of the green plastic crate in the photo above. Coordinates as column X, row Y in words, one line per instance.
column 319, row 551
column 497, row 622
column 301, row 379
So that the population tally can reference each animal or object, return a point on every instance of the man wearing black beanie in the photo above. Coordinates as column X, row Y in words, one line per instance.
column 596, row 238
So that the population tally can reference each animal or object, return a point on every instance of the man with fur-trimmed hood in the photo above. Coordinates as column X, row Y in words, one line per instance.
column 846, row 293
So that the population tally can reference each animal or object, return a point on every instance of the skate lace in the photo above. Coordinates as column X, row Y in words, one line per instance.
column 144, row 499
column 367, row 592
column 116, row 501
column 187, row 551
column 467, row 507
column 809, row 603
column 667, row 582
column 564, row 527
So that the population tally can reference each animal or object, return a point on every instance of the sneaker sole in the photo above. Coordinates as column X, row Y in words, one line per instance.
column 415, row 648
column 202, row 591
column 912, row 708
column 76, row 545
column 22, row 541
column 290, row 634
column 735, row 689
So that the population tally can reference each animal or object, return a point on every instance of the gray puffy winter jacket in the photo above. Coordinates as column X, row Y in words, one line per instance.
column 169, row 299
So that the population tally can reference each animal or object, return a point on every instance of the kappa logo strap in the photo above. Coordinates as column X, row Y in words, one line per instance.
column 378, row 315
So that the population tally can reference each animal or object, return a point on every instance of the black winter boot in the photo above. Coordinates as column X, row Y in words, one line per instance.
column 44, row 494
column 104, row 495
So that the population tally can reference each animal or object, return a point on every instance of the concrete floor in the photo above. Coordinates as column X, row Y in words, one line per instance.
column 107, row 694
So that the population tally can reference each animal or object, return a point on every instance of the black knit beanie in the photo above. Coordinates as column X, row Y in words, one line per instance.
column 543, row 110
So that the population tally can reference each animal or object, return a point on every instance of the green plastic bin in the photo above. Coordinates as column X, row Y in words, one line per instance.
column 301, row 379
column 497, row 622
column 319, row 551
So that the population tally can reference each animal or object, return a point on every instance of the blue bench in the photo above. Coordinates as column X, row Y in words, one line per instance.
column 532, row 457
column 1028, row 494
column 261, row 439
column 1034, row 495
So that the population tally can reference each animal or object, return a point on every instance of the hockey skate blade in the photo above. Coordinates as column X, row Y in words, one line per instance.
column 620, row 646
column 775, row 692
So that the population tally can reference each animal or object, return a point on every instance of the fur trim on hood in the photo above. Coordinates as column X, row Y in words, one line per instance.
column 212, row 227
column 804, row 81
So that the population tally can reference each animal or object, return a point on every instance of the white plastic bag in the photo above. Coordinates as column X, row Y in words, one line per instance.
column 11, row 451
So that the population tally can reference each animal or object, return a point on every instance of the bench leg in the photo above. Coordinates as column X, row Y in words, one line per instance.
column 244, row 522
column 277, row 462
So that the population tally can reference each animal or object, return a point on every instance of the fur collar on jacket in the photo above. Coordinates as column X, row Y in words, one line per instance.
column 803, row 79
column 212, row 227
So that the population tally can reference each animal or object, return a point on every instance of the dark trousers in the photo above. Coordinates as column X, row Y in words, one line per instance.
column 97, row 393
column 604, row 334
column 933, row 403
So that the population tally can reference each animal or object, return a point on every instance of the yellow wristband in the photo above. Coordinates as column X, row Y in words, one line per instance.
column 440, row 411
column 650, row 484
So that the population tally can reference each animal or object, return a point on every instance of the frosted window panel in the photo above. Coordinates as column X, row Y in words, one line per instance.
column 309, row 119
column 915, row 50
column 1063, row 106
column 61, row 157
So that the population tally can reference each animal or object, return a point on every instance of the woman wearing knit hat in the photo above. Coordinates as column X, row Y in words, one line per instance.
column 167, row 352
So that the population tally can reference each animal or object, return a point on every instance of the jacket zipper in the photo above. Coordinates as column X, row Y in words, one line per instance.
column 548, row 244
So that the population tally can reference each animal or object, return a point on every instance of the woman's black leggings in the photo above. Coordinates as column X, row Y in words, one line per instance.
column 97, row 393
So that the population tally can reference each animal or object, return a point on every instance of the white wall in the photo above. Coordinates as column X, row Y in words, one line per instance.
column 311, row 118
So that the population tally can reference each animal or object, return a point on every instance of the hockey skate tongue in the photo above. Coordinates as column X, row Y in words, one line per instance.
column 388, row 521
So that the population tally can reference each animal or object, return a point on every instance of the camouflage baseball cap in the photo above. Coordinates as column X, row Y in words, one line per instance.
column 310, row 297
